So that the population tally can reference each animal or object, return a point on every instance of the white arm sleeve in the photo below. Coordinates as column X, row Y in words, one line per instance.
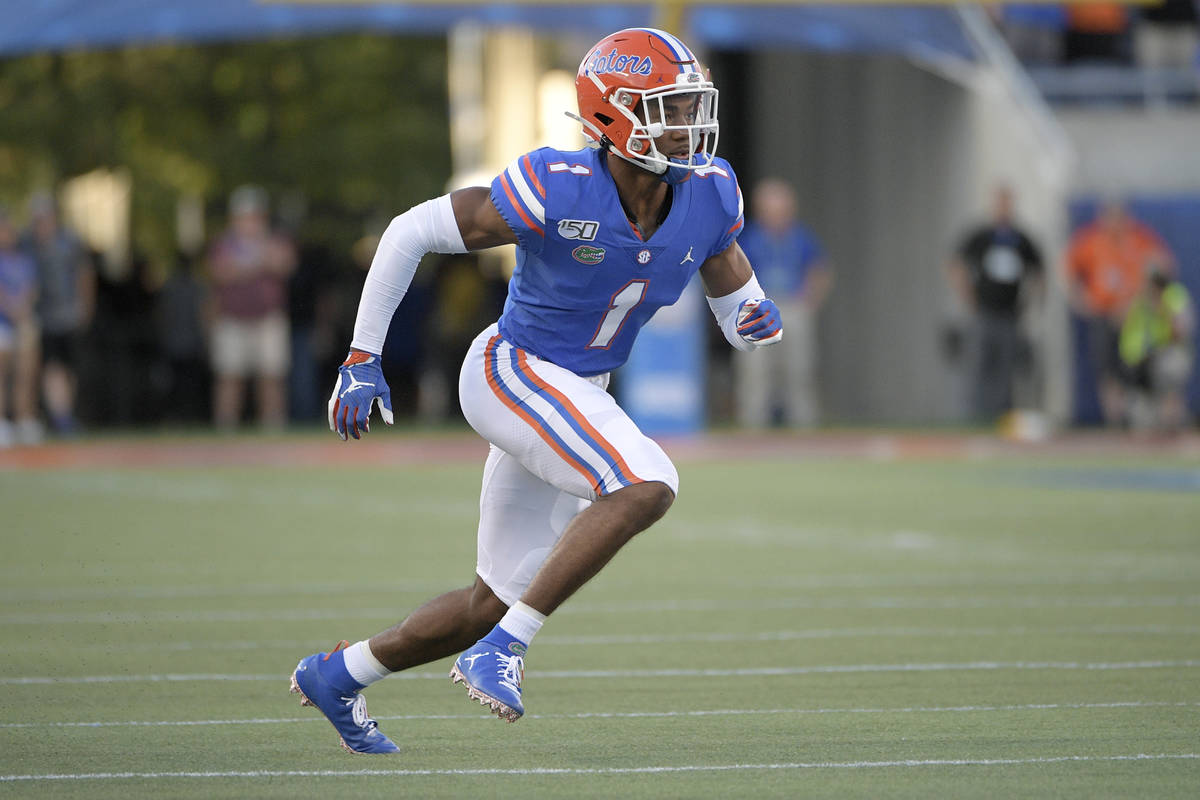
column 426, row 228
column 725, row 309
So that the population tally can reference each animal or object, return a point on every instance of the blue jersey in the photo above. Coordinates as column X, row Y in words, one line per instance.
column 18, row 278
column 585, row 281
column 782, row 262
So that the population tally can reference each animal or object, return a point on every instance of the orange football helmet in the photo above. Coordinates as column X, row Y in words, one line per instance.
column 638, row 84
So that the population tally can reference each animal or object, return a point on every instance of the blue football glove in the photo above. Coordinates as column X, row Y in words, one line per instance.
column 758, row 322
column 360, row 382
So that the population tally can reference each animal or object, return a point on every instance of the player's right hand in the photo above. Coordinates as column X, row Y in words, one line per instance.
column 758, row 322
column 360, row 383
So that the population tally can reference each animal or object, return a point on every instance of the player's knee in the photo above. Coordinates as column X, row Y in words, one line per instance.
column 649, row 502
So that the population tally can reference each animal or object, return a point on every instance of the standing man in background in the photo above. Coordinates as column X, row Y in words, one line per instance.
column 249, row 266
column 1106, row 266
column 1158, row 352
column 66, row 301
column 18, row 340
column 792, row 267
column 996, row 271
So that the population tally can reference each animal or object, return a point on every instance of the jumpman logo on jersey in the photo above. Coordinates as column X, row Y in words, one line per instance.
column 688, row 257
column 355, row 383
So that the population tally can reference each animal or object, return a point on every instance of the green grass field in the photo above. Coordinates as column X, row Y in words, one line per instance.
column 795, row 627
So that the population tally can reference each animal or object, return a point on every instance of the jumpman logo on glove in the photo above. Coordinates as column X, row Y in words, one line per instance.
column 350, row 403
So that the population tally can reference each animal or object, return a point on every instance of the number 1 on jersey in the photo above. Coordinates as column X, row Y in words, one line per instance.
column 619, row 307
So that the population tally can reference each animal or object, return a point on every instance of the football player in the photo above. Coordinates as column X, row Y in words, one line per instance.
column 605, row 237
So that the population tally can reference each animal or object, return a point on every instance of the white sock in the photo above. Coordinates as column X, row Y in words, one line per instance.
column 523, row 621
column 362, row 664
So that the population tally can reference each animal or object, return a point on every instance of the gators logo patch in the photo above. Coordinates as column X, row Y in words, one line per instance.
column 588, row 254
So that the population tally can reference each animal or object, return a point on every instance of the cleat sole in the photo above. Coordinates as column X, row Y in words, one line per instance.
column 501, row 710
column 295, row 689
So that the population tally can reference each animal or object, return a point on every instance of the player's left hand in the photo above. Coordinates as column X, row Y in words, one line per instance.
column 758, row 322
column 360, row 383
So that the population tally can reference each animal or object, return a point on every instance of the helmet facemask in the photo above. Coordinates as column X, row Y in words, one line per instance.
column 689, row 107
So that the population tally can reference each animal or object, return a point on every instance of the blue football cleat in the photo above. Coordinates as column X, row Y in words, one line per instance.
column 492, row 670
column 346, row 710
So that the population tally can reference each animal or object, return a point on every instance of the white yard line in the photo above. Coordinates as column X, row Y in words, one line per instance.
column 781, row 604
column 314, row 644
column 719, row 712
column 58, row 595
column 398, row 773
column 741, row 672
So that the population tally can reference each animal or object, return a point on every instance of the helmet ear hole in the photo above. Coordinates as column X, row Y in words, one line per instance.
column 603, row 119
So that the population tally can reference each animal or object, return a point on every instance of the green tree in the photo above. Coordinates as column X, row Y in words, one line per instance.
column 355, row 123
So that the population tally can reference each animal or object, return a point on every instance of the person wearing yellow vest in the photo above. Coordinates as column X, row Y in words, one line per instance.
column 1156, row 350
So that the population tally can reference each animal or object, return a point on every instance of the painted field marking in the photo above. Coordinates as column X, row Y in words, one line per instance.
column 300, row 615
column 673, row 638
column 851, row 633
column 719, row 712
column 640, row 673
column 55, row 595
column 661, row 638
column 396, row 773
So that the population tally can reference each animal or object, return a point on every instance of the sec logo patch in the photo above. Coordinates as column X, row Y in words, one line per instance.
column 643, row 257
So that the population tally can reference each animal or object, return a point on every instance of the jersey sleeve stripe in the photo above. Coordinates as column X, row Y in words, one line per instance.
column 506, row 396
column 527, row 196
column 741, row 221
column 528, row 165
column 624, row 476
column 516, row 204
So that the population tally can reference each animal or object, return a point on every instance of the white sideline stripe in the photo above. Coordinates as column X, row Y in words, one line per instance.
column 397, row 773
column 60, row 594
column 307, row 614
column 722, row 712
column 666, row 638
column 643, row 673
column 850, row 633
column 966, row 602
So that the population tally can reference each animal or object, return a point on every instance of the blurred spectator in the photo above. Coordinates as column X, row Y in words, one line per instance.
column 995, row 272
column 311, row 303
column 792, row 268
column 1166, row 35
column 18, row 340
column 121, row 347
column 1156, row 349
column 180, row 326
column 463, row 303
column 1106, row 264
column 249, row 266
column 1034, row 31
column 66, row 300
column 1165, row 40
column 1097, row 32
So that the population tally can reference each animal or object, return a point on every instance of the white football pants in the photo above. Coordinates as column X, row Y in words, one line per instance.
column 559, row 441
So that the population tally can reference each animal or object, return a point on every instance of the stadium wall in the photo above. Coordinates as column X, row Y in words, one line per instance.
column 893, row 161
